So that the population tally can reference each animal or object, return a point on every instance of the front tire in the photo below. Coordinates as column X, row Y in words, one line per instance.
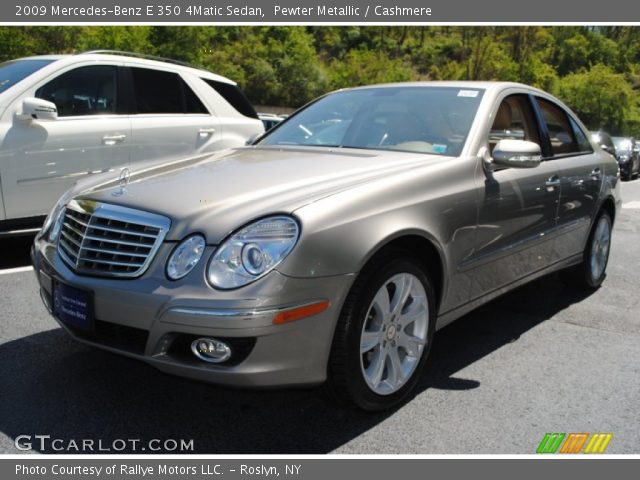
column 383, row 335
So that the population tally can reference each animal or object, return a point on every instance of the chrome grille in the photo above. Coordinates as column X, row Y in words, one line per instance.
column 109, row 240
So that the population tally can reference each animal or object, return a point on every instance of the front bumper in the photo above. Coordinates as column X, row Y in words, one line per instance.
column 154, row 319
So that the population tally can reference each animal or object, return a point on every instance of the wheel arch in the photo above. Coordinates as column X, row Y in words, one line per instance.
column 609, row 206
column 421, row 245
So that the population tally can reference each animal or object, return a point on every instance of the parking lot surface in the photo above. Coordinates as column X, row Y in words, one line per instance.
column 544, row 358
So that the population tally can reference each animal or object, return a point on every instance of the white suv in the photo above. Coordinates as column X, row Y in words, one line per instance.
column 68, row 116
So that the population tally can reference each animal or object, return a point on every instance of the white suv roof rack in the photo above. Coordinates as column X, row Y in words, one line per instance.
column 140, row 55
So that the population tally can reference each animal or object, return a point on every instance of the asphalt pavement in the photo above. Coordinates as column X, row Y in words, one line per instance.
column 544, row 358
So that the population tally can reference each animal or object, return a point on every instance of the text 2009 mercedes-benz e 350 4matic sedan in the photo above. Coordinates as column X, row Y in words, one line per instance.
column 331, row 250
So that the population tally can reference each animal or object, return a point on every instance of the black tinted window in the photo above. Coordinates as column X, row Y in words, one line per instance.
column 16, row 70
column 83, row 91
column 163, row 92
column 561, row 134
column 234, row 96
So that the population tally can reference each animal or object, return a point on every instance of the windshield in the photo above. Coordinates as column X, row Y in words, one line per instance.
column 16, row 70
column 623, row 144
column 432, row 120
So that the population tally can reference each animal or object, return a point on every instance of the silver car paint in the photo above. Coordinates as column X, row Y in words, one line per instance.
column 349, row 205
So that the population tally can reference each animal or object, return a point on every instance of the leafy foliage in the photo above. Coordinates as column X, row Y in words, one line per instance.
column 595, row 70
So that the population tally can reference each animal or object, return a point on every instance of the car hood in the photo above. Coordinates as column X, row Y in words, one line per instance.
column 219, row 193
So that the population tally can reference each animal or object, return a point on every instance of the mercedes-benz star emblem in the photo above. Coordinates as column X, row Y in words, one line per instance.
column 123, row 181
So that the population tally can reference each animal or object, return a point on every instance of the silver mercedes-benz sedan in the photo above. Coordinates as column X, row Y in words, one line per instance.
column 331, row 250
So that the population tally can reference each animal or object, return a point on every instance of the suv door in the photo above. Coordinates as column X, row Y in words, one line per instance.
column 580, row 176
column 517, row 206
column 42, row 159
column 169, row 119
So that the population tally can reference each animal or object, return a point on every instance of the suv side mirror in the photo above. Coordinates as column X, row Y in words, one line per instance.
column 38, row 109
column 516, row 154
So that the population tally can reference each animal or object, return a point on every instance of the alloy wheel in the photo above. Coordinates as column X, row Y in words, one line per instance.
column 600, row 247
column 394, row 333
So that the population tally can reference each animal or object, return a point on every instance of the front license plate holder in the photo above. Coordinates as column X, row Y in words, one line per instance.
column 73, row 306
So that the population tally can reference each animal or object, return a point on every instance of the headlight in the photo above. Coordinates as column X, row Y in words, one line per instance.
column 185, row 256
column 252, row 252
column 53, row 222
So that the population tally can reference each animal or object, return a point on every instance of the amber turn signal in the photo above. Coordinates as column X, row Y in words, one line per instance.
column 299, row 313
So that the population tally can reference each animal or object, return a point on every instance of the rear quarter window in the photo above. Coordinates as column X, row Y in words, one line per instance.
column 581, row 139
column 234, row 96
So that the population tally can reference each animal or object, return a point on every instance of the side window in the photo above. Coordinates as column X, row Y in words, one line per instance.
column 581, row 139
column 157, row 91
column 83, row 91
column 561, row 133
column 515, row 121
column 234, row 96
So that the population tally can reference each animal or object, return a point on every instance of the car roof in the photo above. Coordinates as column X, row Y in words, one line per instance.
column 490, row 87
column 142, row 60
column 452, row 83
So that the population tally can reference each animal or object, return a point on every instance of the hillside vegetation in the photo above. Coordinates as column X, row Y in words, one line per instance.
column 595, row 70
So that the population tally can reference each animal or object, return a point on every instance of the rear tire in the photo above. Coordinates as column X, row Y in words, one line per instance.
column 384, row 334
column 591, row 272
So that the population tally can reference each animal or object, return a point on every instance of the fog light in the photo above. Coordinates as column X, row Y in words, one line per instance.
column 211, row 350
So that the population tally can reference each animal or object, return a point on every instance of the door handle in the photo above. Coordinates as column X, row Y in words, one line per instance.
column 113, row 139
column 595, row 173
column 552, row 182
column 206, row 132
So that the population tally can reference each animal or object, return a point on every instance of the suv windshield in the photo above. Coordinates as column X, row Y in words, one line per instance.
column 432, row 120
column 16, row 70
column 623, row 145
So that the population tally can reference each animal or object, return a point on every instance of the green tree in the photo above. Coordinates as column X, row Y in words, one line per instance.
column 595, row 69
column 360, row 67
column 601, row 97
column 129, row 39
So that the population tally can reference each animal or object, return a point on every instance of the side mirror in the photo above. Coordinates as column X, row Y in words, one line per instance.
column 606, row 148
column 516, row 154
column 38, row 109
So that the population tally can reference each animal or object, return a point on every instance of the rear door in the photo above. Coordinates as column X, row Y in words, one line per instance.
column 42, row 159
column 580, row 173
column 169, row 119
